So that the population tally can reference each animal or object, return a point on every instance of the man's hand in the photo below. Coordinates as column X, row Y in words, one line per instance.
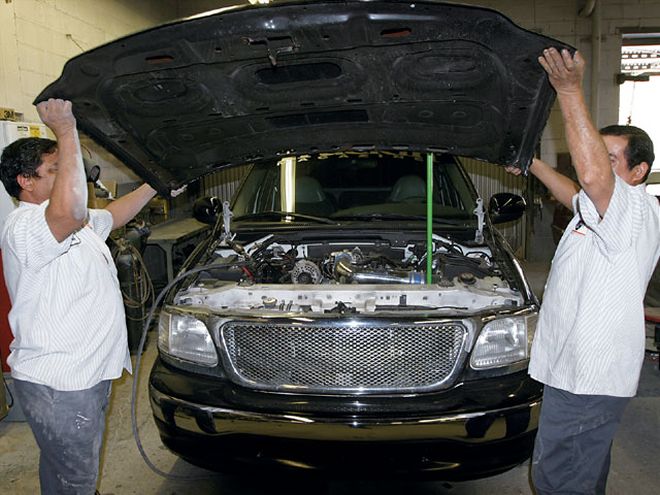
column 513, row 170
column 125, row 208
column 57, row 115
column 174, row 193
column 564, row 72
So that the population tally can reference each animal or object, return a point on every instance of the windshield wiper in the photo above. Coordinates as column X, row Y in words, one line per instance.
column 275, row 213
column 397, row 216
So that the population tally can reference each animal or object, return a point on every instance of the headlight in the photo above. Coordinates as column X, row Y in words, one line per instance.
column 503, row 342
column 187, row 338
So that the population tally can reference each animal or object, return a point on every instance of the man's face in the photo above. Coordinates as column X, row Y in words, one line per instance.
column 42, row 184
column 616, row 146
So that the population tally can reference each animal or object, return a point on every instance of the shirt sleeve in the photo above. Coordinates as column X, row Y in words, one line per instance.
column 101, row 222
column 31, row 239
column 615, row 232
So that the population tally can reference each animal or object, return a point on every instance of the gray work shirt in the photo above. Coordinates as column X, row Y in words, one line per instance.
column 590, row 337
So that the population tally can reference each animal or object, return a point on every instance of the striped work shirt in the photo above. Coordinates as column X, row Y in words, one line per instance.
column 67, row 313
column 590, row 337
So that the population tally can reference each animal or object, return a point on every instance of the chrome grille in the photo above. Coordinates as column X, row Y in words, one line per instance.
column 326, row 358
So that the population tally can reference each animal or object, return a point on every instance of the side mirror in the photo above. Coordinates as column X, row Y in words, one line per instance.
column 206, row 209
column 506, row 207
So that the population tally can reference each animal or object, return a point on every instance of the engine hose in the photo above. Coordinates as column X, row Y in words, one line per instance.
column 194, row 257
column 136, row 375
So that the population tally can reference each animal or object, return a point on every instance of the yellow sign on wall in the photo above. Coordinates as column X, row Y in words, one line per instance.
column 7, row 114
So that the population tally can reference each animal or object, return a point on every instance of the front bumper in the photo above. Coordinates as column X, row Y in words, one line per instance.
column 475, row 442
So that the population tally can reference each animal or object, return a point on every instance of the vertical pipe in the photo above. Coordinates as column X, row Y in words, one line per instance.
column 595, row 62
column 429, row 216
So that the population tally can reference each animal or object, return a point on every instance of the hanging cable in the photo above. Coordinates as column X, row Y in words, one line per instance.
column 183, row 274
column 136, row 375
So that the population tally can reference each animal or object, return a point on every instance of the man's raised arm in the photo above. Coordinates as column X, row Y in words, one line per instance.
column 67, row 208
column 588, row 152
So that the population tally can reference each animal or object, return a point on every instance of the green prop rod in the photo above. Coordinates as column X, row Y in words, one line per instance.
column 429, row 216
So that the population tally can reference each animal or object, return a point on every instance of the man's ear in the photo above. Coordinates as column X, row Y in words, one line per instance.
column 26, row 183
column 639, row 172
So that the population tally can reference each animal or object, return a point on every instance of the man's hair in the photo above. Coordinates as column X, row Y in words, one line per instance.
column 22, row 157
column 640, row 146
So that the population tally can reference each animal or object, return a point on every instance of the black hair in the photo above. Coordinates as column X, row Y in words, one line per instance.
column 640, row 146
column 23, row 157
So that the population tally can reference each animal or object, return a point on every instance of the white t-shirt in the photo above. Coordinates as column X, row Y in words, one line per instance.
column 67, row 313
column 590, row 335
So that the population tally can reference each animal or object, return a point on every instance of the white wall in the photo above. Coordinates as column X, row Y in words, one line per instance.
column 38, row 36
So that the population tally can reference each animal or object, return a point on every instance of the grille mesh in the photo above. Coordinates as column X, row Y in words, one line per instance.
column 341, row 358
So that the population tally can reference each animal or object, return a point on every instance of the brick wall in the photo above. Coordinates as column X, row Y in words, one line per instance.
column 38, row 36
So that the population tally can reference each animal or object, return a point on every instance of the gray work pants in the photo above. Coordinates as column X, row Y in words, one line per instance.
column 68, row 427
column 573, row 443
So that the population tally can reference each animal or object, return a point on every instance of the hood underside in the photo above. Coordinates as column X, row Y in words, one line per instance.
column 243, row 84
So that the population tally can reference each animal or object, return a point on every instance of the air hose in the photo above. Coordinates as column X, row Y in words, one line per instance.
column 135, row 285
column 136, row 375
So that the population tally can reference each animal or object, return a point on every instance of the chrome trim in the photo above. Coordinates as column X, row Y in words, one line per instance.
column 467, row 340
column 187, row 416
column 521, row 274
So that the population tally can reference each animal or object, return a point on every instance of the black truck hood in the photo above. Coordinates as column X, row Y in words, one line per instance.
column 246, row 83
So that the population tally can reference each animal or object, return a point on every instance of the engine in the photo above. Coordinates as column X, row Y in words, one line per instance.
column 359, row 277
column 305, row 263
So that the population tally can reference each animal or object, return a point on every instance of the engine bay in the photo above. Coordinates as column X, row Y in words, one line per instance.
column 276, row 274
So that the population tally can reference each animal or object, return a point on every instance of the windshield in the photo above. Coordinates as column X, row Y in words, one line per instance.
column 360, row 186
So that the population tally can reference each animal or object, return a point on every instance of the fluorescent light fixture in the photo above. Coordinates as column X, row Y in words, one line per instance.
column 288, row 183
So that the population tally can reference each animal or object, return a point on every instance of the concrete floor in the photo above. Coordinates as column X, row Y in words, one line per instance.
column 635, row 455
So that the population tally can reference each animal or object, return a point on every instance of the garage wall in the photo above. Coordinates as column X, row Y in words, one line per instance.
column 38, row 36
column 560, row 19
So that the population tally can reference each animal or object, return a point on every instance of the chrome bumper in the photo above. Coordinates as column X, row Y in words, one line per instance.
column 477, row 427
